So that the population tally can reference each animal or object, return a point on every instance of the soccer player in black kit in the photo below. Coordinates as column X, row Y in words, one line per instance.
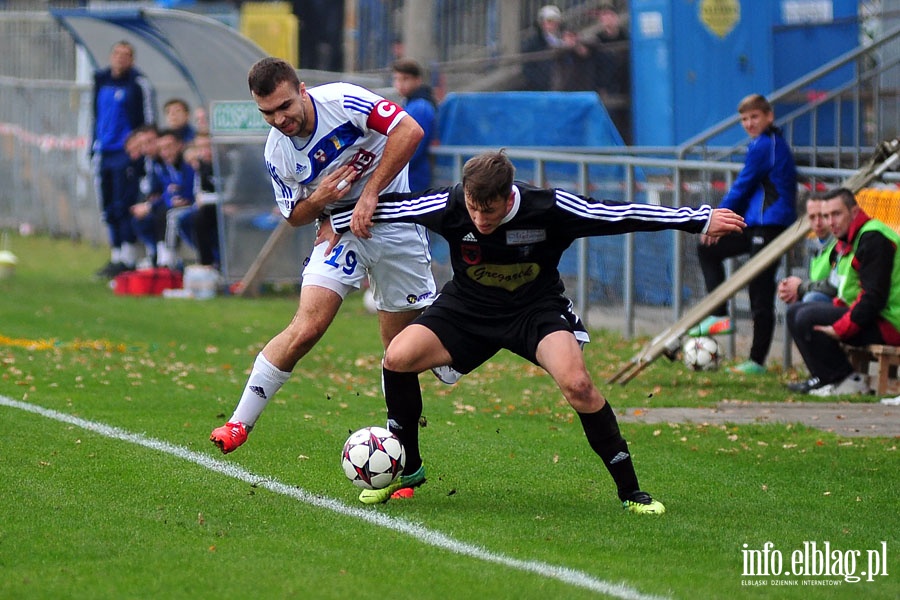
column 506, row 239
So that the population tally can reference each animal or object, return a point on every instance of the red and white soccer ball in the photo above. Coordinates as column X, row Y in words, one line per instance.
column 372, row 458
column 701, row 354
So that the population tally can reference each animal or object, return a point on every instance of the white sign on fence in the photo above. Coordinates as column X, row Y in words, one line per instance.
column 236, row 117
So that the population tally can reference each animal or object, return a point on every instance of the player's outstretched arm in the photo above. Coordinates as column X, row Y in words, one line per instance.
column 724, row 221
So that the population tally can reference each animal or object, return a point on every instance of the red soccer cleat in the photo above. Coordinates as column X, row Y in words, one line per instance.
column 403, row 493
column 229, row 436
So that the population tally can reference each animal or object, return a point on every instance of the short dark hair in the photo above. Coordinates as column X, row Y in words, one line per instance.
column 487, row 177
column 407, row 66
column 179, row 101
column 268, row 73
column 149, row 127
column 173, row 132
column 845, row 195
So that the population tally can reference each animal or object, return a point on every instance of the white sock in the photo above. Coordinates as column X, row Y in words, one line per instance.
column 164, row 256
column 128, row 254
column 115, row 255
column 264, row 381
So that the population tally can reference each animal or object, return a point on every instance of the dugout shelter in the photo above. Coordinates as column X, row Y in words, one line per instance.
column 199, row 59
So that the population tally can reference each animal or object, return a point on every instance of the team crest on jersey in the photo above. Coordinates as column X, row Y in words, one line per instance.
column 471, row 253
column 519, row 237
column 332, row 145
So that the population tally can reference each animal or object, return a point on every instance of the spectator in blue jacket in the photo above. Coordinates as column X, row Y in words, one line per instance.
column 177, row 114
column 765, row 194
column 157, row 220
column 122, row 102
column 422, row 107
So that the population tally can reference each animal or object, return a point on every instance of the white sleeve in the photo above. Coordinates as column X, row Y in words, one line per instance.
column 288, row 191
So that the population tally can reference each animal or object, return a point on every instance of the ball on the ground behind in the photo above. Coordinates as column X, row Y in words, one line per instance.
column 373, row 458
column 701, row 354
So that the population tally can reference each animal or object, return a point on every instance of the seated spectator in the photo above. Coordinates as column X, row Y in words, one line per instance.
column 867, row 307
column 156, row 219
column 141, row 148
column 147, row 138
column 200, row 225
column 201, row 120
column 178, row 118
column 821, row 286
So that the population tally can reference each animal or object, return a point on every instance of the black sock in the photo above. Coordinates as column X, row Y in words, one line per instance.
column 403, row 397
column 602, row 431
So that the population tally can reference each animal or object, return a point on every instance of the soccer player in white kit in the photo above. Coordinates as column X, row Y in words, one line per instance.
column 332, row 146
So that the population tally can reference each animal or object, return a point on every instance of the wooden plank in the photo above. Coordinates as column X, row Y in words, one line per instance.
column 249, row 285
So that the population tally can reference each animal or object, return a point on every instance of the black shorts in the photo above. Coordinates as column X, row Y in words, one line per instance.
column 472, row 337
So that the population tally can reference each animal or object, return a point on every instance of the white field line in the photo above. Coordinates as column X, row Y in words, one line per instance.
column 414, row 530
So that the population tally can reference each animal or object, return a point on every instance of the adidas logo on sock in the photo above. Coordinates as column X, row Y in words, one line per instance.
column 469, row 237
column 619, row 458
column 259, row 391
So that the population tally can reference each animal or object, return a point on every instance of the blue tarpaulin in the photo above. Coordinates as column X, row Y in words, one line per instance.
column 529, row 119
column 526, row 119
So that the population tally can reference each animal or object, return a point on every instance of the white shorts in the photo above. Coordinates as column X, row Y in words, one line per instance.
column 396, row 259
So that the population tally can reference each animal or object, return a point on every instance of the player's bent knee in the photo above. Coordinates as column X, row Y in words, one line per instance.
column 399, row 361
column 582, row 395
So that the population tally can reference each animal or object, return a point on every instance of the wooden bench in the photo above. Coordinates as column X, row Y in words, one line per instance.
column 886, row 360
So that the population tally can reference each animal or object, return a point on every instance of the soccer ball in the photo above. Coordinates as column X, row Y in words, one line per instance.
column 372, row 458
column 701, row 354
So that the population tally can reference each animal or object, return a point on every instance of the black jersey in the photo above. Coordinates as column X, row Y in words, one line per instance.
column 507, row 269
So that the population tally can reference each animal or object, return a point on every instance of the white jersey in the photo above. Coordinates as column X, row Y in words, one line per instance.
column 352, row 124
